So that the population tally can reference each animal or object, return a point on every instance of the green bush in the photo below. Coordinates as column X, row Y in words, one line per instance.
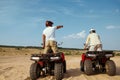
column 117, row 54
column 67, row 53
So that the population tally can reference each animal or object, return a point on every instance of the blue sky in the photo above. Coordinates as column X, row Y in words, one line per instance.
column 22, row 21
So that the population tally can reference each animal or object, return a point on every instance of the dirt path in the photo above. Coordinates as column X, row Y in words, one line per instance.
column 17, row 68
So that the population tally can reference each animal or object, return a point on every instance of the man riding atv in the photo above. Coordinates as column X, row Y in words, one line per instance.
column 93, row 41
column 96, row 60
column 51, row 62
column 49, row 37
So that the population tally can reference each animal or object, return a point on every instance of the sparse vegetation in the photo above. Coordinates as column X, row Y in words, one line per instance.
column 117, row 53
column 28, row 50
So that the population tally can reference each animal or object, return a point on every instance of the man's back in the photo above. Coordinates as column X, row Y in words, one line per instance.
column 94, row 39
column 49, row 33
column 48, row 37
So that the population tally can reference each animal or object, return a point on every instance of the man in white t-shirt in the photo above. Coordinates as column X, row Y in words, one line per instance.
column 49, row 37
column 93, row 41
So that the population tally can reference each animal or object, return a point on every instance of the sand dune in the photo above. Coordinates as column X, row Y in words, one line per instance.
column 17, row 68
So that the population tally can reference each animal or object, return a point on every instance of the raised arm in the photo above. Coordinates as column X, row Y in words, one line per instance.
column 60, row 26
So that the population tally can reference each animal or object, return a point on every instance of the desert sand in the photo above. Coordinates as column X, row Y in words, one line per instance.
column 17, row 68
column 15, row 65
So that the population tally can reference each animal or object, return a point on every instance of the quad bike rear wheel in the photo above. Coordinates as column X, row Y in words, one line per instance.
column 88, row 67
column 110, row 68
column 35, row 71
column 82, row 65
column 58, row 71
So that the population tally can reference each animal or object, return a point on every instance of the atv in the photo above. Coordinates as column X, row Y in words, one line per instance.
column 48, row 64
column 98, row 61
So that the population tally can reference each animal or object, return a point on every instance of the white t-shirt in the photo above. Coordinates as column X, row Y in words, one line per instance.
column 93, row 39
column 49, row 32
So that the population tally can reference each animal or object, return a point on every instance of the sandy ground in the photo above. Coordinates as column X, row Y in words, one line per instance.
column 17, row 68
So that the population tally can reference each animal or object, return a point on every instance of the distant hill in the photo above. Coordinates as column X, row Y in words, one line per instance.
column 36, row 47
column 27, row 50
column 11, row 46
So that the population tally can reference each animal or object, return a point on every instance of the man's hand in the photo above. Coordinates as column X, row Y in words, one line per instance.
column 85, row 47
column 43, row 46
column 44, row 38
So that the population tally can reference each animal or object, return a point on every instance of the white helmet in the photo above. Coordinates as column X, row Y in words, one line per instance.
column 92, row 30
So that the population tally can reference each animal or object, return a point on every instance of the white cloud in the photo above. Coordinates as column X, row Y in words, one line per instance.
column 81, row 34
column 112, row 27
